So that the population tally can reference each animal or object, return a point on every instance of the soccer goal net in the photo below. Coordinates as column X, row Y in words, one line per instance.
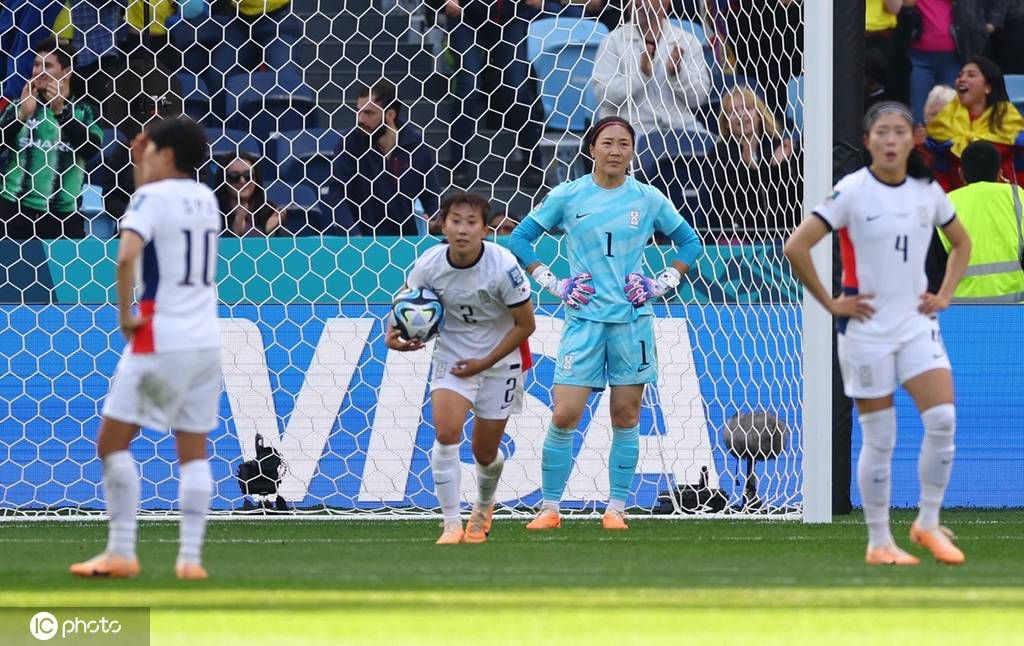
column 326, row 207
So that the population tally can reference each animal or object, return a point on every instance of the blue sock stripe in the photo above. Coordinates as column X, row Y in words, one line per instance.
column 556, row 462
column 622, row 461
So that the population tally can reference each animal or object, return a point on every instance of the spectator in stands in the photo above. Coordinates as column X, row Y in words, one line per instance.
column 517, row 90
column 938, row 99
column 755, row 173
column 232, row 37
column 767, row 38
column 652, row 71
column 21, row 27
column 983, row 112
column 47, row 136
column 380, row 167
column 503, row 224
column 467, row 36
column 881, row 17
column 951, row 33
column 986, row 208
column 243, row 199
column 1007, row 19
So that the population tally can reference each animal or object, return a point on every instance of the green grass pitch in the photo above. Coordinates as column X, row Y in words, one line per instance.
column 663, row 582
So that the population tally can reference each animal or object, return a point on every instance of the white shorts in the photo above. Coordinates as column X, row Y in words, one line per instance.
column 169, row 390
column 872, row 369
column 496, row 393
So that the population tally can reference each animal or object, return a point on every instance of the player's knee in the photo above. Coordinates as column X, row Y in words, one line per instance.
column 566, row 418
column 625, row 415
column 882, row 440
column 940, row 420
column 485, row 455
column 448, row 434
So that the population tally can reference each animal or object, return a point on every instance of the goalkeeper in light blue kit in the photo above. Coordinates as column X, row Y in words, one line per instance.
column 608, row 218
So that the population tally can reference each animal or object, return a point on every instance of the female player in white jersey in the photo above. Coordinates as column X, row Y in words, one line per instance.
column 885, row 215
column 608, row 338
column 169, row 376
column 479, row 358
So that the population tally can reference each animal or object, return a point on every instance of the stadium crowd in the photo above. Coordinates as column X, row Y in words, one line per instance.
column 713, row 87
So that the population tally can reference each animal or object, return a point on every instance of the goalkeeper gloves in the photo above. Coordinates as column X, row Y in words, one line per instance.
column 640, row 288
column 574, row 292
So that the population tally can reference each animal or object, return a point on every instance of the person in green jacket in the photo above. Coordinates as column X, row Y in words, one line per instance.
column 45, row 138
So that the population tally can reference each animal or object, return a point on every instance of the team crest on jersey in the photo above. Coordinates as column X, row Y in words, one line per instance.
column 634, row 218
column 922, row 216
column 567, row 362
column 484, row 296
column 832, row 196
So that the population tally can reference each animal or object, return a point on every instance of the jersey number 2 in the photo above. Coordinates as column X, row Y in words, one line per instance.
column 209, row 264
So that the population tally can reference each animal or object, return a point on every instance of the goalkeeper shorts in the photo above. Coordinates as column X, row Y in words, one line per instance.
column 167, row 390
column 594, row 354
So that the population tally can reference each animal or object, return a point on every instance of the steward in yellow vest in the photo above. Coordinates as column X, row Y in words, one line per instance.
column 992, row 217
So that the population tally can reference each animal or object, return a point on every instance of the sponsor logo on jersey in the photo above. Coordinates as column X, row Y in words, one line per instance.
column 634, row 218
column 580, row 216
column 922, row 216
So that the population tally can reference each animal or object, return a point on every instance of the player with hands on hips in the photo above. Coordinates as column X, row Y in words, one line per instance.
column 608, row 338
column 479, row 358
column 885, row 215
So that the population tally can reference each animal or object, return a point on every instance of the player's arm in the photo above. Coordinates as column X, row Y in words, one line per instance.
column 956, row 265
column 798, row 251
column 523, row 325
column 640, row 288
column 574, row 291
column 128, row 250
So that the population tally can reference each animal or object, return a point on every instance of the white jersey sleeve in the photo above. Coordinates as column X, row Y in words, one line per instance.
column 141, row 213
column 513, row 287
column 945, row 212
column 835, row 210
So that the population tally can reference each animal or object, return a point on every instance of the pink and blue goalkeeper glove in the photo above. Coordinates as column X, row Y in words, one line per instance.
column 640, row 289
column 574, row 292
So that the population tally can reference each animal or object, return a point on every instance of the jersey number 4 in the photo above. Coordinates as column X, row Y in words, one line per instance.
column 901, row 246
column 209, row 263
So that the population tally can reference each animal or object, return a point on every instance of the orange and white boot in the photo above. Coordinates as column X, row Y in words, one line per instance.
column 938, row 541
column 107, row 566
column 546, row 519
column 614, row 520
column 478, row 529
column 889, row 555
column 190, row 571
column 452, row 533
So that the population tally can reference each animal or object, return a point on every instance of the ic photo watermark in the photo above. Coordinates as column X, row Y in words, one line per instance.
column 74, row 626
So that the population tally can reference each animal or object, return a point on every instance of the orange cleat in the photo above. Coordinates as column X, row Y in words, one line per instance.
column 190, row 572
column 108, row 566
column 478, row 529
column 546, row 519
column 614, row 520
column 889, row 555
column 452, row 534
column 938, row 541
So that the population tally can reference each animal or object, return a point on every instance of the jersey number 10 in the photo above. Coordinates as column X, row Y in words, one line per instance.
column 209, row 264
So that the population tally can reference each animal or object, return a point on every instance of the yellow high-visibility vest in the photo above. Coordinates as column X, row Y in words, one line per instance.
column 986, row 210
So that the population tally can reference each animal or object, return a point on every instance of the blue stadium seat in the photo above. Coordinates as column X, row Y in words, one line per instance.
column 795, row 103
column 229, row 142
column 92, row 200
column 303, row 205
column 267, row 102
column 562, row 52
column 304, row 155
column 195, row 96
column 1015, row 90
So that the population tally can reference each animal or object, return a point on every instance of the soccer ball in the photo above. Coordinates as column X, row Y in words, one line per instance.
column 417, row 314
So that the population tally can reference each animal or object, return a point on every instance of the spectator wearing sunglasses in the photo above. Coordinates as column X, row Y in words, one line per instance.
column 243, row 200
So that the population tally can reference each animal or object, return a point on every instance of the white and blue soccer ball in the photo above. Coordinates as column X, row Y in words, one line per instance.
column 417, row 314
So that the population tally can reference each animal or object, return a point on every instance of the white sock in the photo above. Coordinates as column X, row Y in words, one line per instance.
column 487, row 479
column 617, row 505
column 874, row 473
column 121, row 487
column 550, row 505
column 194, row 502
column 444, row 463
column 936, row 461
